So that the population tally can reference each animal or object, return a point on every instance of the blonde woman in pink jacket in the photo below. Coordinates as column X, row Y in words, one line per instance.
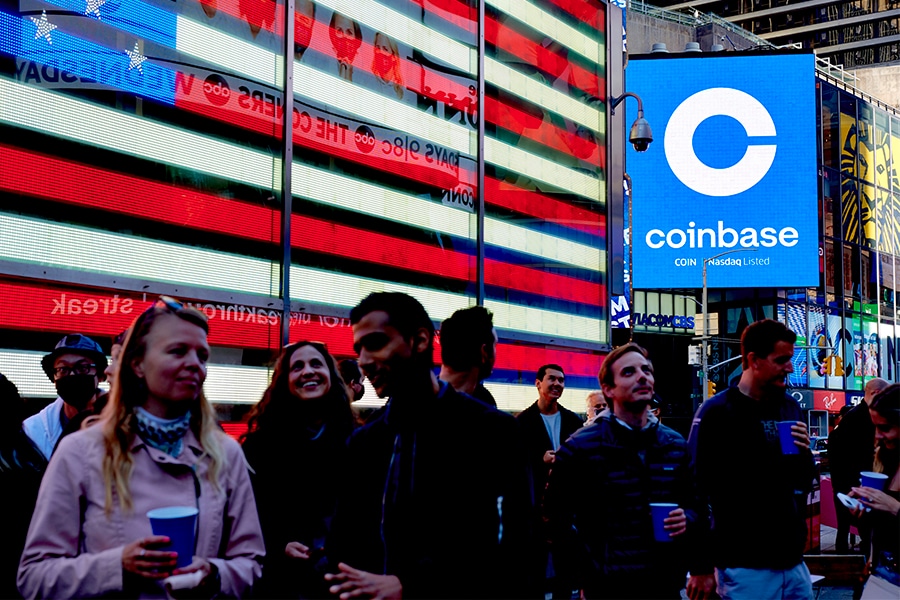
column 156, row 444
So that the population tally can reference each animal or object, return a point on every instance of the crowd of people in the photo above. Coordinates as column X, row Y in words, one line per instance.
column 437, row 494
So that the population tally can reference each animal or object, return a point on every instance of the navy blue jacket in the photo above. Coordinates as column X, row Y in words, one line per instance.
column 597, row 509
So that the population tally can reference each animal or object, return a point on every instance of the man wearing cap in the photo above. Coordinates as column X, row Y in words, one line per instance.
column 76, row 366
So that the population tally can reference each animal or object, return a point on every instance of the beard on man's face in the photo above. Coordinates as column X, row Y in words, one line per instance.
column 636, row 406
column 409, row 372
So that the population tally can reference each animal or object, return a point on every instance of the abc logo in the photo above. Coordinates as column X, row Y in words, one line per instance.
column 697, row 175
column 216, row 89
column 365, row 139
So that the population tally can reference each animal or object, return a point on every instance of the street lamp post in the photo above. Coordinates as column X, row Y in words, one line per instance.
column 704, row 339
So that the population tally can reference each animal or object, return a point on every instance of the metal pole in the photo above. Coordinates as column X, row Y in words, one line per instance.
column 287, row 197
column 629, row 195
column 479, row 244
column 704, row 341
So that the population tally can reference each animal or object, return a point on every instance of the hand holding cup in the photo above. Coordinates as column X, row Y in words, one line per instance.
column 876, row 500
column 668, row 521
column 793, row 436
column 676, row 522
column 178, row 524
column 142, row 559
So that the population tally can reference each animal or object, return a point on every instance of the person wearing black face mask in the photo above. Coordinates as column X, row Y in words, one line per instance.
column 304, row 21
column 76, row 366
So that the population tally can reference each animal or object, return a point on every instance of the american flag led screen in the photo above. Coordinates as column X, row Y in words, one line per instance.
column 141, row 149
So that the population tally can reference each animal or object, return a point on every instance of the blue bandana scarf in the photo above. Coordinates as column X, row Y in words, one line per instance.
column 163, row 434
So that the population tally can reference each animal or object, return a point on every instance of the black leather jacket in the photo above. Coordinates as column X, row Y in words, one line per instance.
column 597, row 508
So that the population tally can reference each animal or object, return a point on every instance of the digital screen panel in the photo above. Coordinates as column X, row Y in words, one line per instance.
column 731, row 175
column 101, row 314
column 142, row 141
column 545, row 115
column 794, row 316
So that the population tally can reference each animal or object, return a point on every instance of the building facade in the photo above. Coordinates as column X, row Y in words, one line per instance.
column 142, row 153
column 848, row 326
column 852, row 33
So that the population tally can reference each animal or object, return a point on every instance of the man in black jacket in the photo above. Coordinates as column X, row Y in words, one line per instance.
column 601, row 484
column 851, row 449
column 756, row 493
column 439, row 501
column 545, row 425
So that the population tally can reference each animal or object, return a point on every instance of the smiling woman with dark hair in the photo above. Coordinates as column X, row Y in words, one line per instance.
column 296, row 441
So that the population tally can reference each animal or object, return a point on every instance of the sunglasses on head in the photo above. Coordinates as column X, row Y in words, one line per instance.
column 164, row 303
column 168, row 302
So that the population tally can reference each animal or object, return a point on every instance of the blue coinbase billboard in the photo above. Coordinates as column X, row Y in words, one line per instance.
column 732, row 169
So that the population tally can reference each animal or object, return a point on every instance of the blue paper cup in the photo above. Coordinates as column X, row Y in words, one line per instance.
column 660, row 511
column 178, row 524
column 787, row 440
column 873, row 480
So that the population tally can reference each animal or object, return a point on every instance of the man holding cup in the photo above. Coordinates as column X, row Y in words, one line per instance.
column 605, row 487
column 753, row 466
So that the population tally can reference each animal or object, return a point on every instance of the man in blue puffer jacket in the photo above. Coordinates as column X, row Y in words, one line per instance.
column 602, row 483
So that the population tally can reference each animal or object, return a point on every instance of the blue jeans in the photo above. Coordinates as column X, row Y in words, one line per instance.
column 764, row 584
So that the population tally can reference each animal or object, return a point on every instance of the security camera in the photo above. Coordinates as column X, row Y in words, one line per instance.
column 641, row 135
column 640, row 145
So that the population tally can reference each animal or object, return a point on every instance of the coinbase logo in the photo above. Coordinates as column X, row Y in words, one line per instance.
column 697, row 175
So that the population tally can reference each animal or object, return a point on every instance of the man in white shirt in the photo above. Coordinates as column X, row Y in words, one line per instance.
column 546, row 424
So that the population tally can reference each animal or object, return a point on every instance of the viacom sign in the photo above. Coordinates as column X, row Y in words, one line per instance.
column 733, row 178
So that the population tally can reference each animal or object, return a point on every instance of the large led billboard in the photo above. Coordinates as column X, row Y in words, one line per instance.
column 731, row 176
column 142, row 152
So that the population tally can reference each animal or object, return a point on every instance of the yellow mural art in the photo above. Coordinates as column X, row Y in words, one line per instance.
column 882, row 158
column 849, row 187
column 889, row 240
column 867, row 161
